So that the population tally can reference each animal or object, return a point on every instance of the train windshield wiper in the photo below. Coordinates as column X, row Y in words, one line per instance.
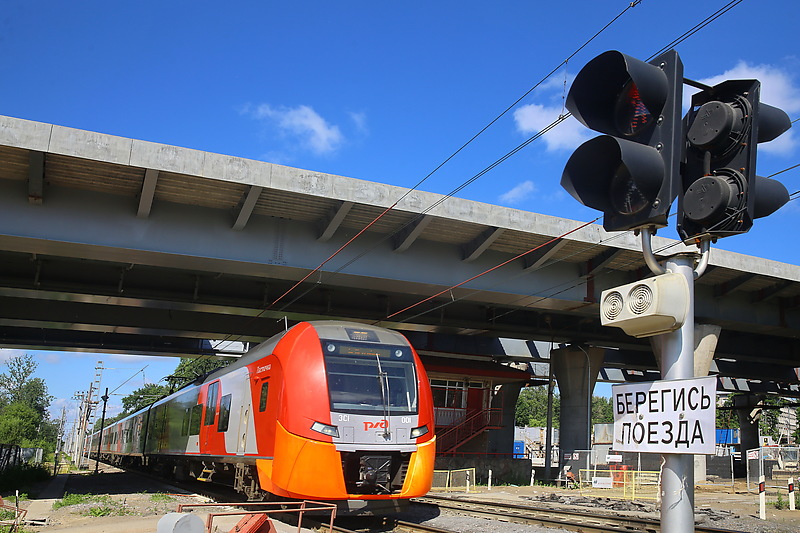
column 383, row 377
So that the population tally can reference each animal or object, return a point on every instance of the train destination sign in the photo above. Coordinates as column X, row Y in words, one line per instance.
column 675, row 416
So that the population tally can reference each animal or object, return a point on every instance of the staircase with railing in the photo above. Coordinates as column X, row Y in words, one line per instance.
column 453, row 437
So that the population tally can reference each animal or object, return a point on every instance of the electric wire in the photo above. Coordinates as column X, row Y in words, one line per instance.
column 492, row 269
column 560, row 119
column 699, row 26
column 784, row 170
column 429, row 208
column 455, row 191
column 471, row 139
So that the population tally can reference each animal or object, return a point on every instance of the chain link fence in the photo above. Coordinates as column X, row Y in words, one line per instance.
column 776, row 463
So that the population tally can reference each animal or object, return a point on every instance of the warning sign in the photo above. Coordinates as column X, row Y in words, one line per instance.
column 676, row 416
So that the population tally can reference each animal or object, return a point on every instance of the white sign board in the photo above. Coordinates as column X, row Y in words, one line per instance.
column 602, row 483
column 675, row 416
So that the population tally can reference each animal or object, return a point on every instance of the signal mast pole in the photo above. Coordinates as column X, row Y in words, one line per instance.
column 676, row 350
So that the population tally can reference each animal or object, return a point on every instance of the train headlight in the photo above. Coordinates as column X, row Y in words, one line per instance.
column 325, row 429
column 418, row 432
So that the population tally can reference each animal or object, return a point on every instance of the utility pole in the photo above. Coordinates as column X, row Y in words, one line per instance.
column 104, row 397
column 59, row 439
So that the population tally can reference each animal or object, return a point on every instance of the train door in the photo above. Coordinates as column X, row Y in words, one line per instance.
column 244, row 414
column 477, row 395
column 208, row 428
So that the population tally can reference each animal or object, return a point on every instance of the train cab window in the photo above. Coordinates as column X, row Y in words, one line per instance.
column 194, row 419
column 211, row 403
column 224, row 412
column 262, row 402
column 370, row 378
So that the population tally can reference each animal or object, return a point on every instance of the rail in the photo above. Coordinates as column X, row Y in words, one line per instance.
column 582, row 520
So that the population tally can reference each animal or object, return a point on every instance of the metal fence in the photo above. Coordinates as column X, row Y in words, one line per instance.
column 620, row 484
column 11, row 454
column 462, row 480
column 633, row 475
column 776, row 463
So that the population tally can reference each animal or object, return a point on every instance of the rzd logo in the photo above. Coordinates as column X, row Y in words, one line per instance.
column 383, row 424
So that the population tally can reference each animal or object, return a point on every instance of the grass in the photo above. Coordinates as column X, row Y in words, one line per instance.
column 100, row 504
column 161, row 497
column 7, row 514
column 103, row 511
column 780, row 503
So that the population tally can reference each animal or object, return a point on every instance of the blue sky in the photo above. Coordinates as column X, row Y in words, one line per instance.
column 378, row 91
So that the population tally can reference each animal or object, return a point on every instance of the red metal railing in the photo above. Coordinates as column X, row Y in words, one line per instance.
column 470, row 427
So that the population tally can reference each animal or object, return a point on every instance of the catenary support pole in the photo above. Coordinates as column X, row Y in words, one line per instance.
column 677, row 362
column 100, row 436
column 548, row 447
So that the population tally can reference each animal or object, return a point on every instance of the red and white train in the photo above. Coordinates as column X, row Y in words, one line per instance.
column 325, row 411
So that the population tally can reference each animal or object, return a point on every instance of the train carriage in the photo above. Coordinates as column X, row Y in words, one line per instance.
column 327, row 410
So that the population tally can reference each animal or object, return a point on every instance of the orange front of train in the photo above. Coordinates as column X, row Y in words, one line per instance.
column 343, row 411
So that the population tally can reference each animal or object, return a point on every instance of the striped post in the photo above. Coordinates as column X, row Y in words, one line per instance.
column 762, row 498
column 791, row 494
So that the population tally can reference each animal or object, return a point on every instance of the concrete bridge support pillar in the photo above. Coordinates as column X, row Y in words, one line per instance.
column 502, row 440
column 748, row 407
column 576, row 369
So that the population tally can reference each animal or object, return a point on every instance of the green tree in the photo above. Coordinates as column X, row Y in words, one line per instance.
column 531, row 407
column 726, row 416
column 18, row 424
column 24, row 401
column 17, row 385
column 768, row 422
column 143, row 396
column 190, row 369
column 602, row 410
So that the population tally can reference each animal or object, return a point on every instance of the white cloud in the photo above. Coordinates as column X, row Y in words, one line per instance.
column 6, row 354
column 533, row 118
column 303, row 123
column 519, row 193
column 360, row 121
column 778, row 89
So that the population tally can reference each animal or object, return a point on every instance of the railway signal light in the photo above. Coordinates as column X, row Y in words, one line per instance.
column 721, row 192
column 632, row 173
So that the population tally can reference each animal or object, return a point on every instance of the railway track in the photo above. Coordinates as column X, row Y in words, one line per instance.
column 581, row 520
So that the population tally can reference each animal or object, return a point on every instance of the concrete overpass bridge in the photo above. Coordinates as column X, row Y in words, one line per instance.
column 121, row 245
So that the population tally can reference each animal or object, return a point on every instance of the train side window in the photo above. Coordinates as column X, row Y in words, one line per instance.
column 187, row 415
column 194, row 423
column 224, row 412
column 262, row 403
column 211, row 403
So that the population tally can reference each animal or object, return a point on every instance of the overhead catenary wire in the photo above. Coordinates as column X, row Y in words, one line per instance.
column 544, row 130
column 562, row 117
column 629, row 6
column 492, row 269
column 699, row 26
column 784, row 170
column 462, row 147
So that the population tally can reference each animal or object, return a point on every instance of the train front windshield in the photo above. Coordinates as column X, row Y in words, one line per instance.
column 370, row 378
